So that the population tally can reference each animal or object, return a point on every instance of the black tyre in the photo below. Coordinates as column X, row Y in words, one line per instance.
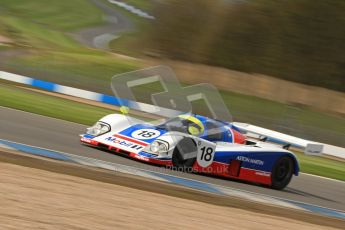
column 185, row 146
column 282, row 172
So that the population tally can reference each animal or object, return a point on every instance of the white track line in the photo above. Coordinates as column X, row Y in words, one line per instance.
column 322, row 177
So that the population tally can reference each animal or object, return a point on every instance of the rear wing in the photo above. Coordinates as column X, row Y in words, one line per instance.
column 307, row 146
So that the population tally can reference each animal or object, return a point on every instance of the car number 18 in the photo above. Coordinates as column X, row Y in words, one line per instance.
column 205, row 153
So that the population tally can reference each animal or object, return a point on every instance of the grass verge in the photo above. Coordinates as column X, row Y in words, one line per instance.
column 26, row 100
column 321, row 166
column 59, row 15
column 50, row 106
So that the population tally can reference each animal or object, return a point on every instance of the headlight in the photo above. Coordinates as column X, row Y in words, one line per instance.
column 98, row 129
column 158, row 147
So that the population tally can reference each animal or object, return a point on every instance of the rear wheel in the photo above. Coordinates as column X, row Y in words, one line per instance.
column 184, row 149
column 282, row 172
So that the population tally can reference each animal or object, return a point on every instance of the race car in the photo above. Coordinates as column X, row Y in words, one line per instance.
column 195, row 143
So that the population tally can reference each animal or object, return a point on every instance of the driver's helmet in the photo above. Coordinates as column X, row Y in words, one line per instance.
column 195, row 127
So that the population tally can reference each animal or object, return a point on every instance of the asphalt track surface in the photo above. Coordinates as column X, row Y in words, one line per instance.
column 45, row 132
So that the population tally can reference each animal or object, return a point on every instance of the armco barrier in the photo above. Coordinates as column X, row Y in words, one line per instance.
column 49, row 86
column 194, row 184
column 107, row 99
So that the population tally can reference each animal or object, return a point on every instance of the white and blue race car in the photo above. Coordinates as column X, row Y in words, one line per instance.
column 195, row 143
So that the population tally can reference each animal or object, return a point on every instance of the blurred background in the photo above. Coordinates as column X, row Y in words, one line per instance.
column 278, row 64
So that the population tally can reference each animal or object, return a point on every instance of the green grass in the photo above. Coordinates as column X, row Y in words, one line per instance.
column 128, row 44
column 322, row 166
column 298, row 121
column 43, row 24
column 61, row 15
column 26, row 100
column 91, row 70
column 249, row 108
column 50, row 106
column 33, row 35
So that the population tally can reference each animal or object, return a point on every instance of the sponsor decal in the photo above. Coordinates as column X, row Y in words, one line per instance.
column 250, row 160
column 266, row 174
column 125, row 143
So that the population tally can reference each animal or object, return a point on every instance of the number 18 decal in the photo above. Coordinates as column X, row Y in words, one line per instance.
column 205, row 153
column 145, row 134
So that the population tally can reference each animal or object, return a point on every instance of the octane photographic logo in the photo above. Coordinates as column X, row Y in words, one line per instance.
column 174, row 100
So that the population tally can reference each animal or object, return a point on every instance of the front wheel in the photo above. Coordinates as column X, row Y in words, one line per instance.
column 282, row 172
column 184, row 148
